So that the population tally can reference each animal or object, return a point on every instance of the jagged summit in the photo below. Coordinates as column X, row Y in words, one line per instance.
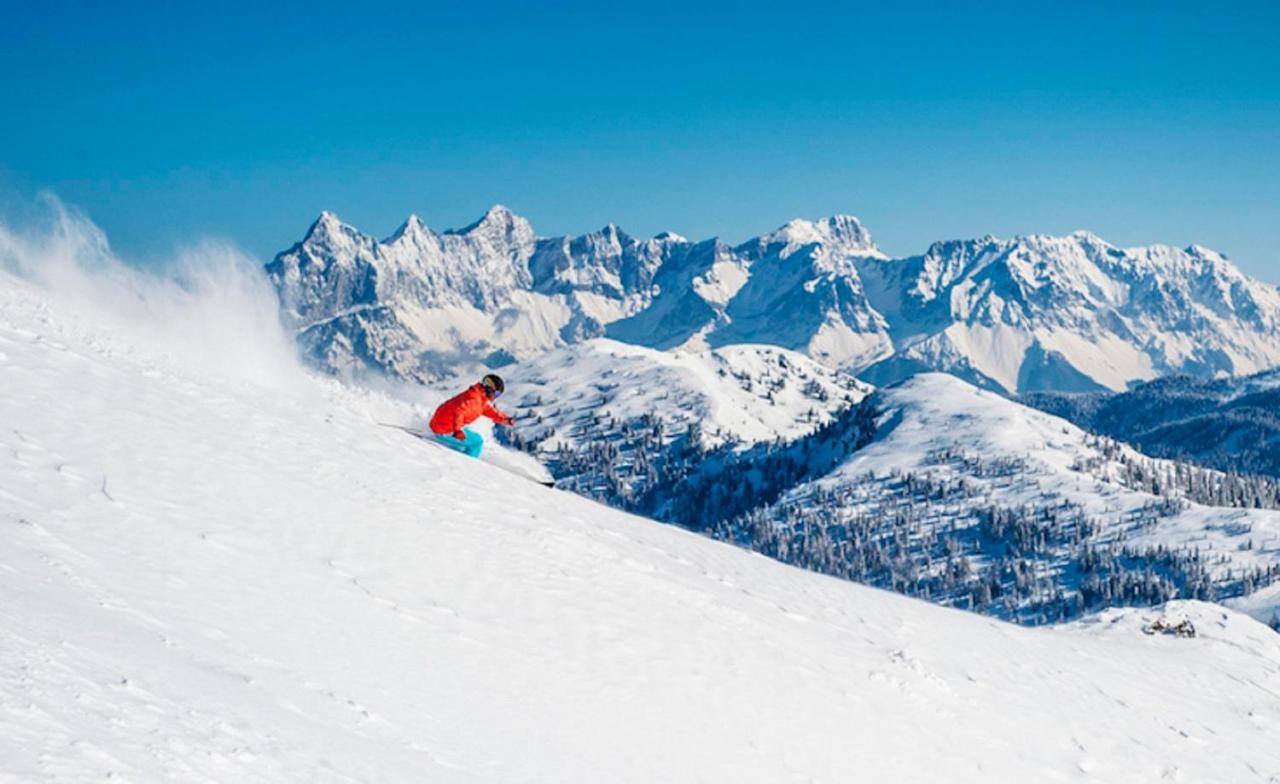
column 498, row 217
column 413, row 227
column 1196, row 249
column 844, row 233
column 414, row 223
column 1031, row 313
column 1084, row 235
column 325, row 224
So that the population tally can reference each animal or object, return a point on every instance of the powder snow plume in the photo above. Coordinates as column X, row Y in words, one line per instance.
column 208, row 306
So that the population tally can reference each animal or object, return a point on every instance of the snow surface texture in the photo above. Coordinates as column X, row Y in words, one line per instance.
column 1032, row 313
column 240, row 577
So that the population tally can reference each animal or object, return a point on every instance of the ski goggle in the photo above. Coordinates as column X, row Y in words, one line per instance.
column 493, row 392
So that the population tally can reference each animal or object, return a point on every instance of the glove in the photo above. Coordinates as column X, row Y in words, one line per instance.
column 509, row 421
column 461, row 436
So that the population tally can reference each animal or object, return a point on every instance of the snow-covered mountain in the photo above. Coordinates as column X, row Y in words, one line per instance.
column 804, row 293
column 424, row 305
column 743, row 440
column 1232, row 424
column 1071, row 313
column 932, row 487
column 738, row 395
column 419, row 303
column 610, row 417
column 970, row 499
column 1033, row 313
column 239, row 576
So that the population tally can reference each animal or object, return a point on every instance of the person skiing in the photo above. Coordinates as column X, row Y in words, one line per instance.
column 449, row 422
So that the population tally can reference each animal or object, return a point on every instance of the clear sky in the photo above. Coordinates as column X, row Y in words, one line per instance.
column 1144, row 122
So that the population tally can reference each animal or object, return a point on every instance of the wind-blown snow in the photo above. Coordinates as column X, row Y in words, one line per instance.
column 221, row 577
column 209, row 309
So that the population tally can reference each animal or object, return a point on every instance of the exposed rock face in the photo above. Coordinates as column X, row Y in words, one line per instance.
column 1028, row 314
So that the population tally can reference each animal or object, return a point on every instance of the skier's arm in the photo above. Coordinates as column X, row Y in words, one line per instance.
column 498, row 416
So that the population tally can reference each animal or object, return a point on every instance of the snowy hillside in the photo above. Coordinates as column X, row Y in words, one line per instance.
column 931, row 487
column 215, row 567
column 611, row 418
column 1232, row 424
column 964, row 497
column 1032, row 313
column 738, row 394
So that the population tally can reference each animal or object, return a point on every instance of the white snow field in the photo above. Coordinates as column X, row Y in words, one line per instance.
column 222, row 570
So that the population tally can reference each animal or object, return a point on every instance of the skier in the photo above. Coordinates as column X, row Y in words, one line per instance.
column 449, row 423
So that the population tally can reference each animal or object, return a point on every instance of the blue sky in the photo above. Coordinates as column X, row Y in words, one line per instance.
column 1144, row 122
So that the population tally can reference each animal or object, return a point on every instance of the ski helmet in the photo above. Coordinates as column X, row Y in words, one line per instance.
column 493, row 384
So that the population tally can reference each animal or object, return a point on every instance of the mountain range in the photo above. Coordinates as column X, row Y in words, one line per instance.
column 1022, row 315
column 930, row 486
column 729, row 389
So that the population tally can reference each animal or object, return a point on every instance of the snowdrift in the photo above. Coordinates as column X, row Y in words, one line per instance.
column 240, row 577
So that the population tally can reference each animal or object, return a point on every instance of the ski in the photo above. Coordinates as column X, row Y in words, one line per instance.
column 429, row 437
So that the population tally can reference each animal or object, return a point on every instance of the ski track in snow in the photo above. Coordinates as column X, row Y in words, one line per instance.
column 204, row 579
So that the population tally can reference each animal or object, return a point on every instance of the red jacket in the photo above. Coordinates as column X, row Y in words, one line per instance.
column 460, row 411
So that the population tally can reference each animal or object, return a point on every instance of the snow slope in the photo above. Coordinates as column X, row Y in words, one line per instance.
column 937, row 411
column 620, row 423
column 920, row 500
column 738, row 394
column 237, row 576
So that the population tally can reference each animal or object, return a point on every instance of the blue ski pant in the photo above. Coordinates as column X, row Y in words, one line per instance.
column 471, row 446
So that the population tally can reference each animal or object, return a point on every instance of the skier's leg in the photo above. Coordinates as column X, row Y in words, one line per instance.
column 449, row 442
column 474, row 443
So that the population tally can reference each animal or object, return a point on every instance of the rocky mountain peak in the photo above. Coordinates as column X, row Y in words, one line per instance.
column 326, row 225
column 497, row 219
column 842, row 233
column 1033, row 312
